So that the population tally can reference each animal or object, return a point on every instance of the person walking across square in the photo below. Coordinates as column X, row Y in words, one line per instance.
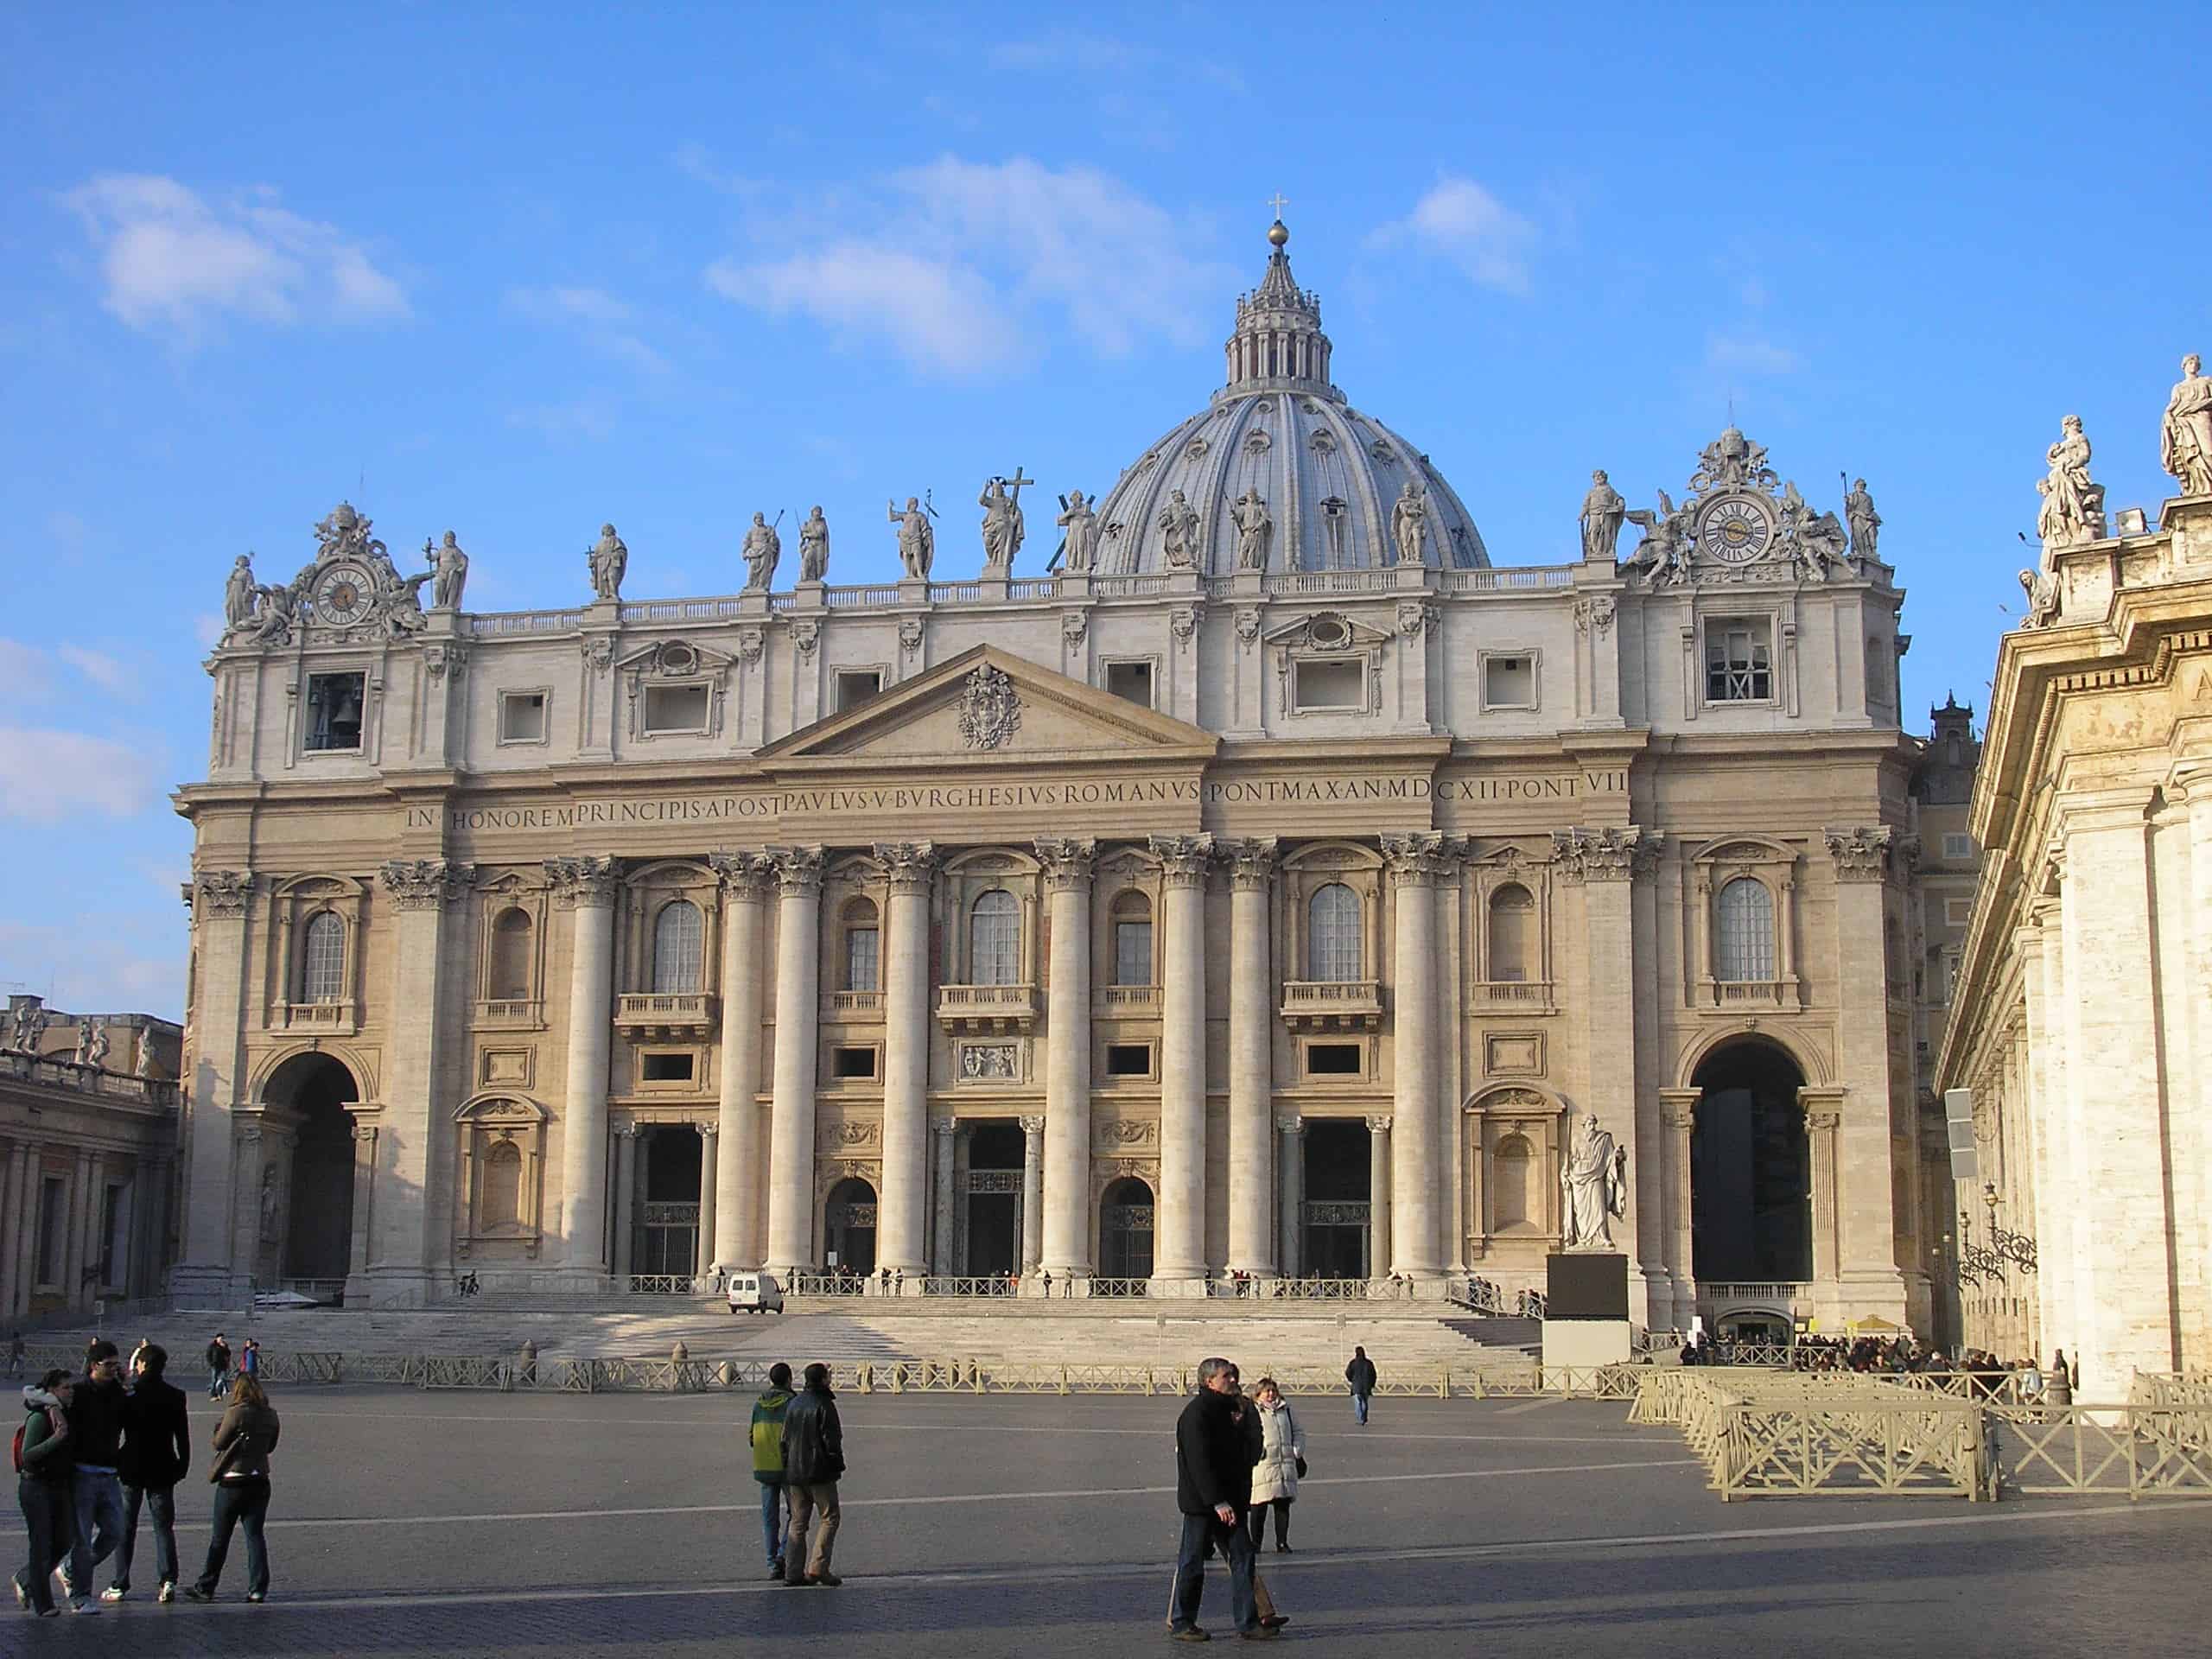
column 244, row 1440
column 1214, row 1452
column 218, row 1366
column 156, row 1452
column 814, row 1462
column 45, row 1490
column 768, row 1461
column 1360, row 1376
column 1283, row 1463
column 96, row 1418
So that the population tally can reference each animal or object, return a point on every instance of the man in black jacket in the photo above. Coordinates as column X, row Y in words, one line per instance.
column 1360, row 1376
column 1213, row 1490
column 814, row 1461
column 96, row 1424
column 156, row 1452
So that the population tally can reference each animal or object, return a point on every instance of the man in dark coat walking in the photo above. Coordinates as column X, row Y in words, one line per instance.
column 814, row 1462
column 156, row 1452
column 1360, row 1376
column 1213, row 1489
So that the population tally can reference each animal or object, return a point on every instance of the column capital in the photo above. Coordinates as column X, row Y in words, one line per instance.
column 909, row 865
column 1612, row 852
column 426, row 883
column 798, row 869
column 944, row 1127
column 1861, row 854
column 1290, row 1123
column 2190, row 782
column 1033, row 1125
column 625, row 1131
column 1251, row 864
column 1421, row 858
column 1184, row 859
column 708, row 1131
column 1379, row 1122
column 220, row 892
column 746, row 876
column 585, row 883
column 1823, row 1121
column 1067, row 862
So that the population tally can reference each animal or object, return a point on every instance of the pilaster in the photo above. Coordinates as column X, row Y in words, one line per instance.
column 1678, row 1121
column 1290, row 1175
column 221, row 930
column 1867, row 1279
column 1379, row 1233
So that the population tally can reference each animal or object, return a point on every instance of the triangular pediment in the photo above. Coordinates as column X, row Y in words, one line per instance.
column 985, row 704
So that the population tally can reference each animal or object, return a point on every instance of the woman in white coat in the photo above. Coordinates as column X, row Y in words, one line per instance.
column 1282, row 1460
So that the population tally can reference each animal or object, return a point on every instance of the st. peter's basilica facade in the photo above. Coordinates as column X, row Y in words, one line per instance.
column 1270, row 887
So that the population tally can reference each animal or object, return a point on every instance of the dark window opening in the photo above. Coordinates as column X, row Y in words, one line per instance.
column 1333, row 1059
column 1132, row 680
column 1128, row 1059
column 334, row 703
column 859, row 1062
column 856, row 686
column 665, row 1068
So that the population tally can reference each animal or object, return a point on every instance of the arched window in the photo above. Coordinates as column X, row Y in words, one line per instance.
column 994, row 939
column 1743, row 931
column 322, row 958
column 499, row 1203
column 863, row 941
column 1512, row 932
column 1132, row 939
column 679, row 939
column 1510, row 1183
column 510, row 978
column 1332, row 933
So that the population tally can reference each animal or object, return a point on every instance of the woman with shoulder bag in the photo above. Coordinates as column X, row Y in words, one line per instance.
column 1282, row 1465
column 45, row 1487
column 244, row 1440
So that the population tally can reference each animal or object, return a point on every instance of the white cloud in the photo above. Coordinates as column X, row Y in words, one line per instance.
column 1461, row 221
column 207, row 628
column 93, row 966
column 583, row 417
column 594, row 315
column 46, row 774
column 965, row 263
column 33, row 673
column 1745, row 353
column 170, row 257
column 25, row 675
column 102, row 670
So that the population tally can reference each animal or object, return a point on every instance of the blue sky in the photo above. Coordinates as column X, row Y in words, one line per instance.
column 514, row 272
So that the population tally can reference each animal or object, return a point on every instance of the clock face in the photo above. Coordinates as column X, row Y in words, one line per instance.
column 1734, row 530
column 341, row 595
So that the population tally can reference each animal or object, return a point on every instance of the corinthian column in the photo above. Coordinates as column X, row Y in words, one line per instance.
column 798, row 984
column 1417, row 864
column 1251, row 1030
column 903, row 1216
column 585, row 888
column 1066, row 1240
column 1180, row 1235
column 736, row 1238
column 1033, row 1191
column 412, row 1227
column 1378, row 1193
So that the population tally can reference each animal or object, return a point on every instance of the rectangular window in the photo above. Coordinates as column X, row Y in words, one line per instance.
column 1336, row 683
column 1509, row 682
column 1737, row 665
column 862, row 945
column 858, row 1061
column 1132, row 953
column 522, row 717
column 1957, row 912
column 1132, row 680
column 670, row 709
column 1333, row 1059
column 1957, row 849
column 334, row 703
column 1128, row 1059
column 856, row 685
column 665, row 1068
column 53, row 1202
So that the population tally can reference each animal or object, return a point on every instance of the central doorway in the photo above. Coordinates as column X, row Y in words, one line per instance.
column 1125, row 1229
column 1340, row 1209
column 848, row 1227
column 991, row 1239
column 1751, row 1179
column 317, row 1224
column 666, row 1241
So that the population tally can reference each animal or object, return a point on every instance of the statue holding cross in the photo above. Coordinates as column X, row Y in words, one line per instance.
column 1002, row 522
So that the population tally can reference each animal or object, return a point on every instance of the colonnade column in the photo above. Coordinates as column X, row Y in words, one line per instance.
column 1180, row 1222
column 942, row 1131
column 1290, row 1176
column 1378, row 1194
column 1066, row 1239
column 735, row 1240
column 1678, row 1118
column 1032, row 1193
column 702, row 1251
column 799, row 987
column 412, row 1229
column 625, row 1222
column 1415, row 863
column 220, row 927
column 585, row 888
column 1251, row 1055
column 903, row 1211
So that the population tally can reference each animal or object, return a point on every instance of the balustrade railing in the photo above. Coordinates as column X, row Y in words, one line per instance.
column 850, row 1002
column 1129, row 999
column 60, row 1072
column 1125, row 1287
column 970, row 1285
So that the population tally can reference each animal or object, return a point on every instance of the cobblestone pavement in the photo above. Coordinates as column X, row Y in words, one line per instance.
column 463, row 1524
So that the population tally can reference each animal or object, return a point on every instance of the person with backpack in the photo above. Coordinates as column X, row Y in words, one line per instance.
column 218, row 1366
column 156, row 1452
column 768, row 1462
column 45, row 1461
column 244, row 1440
column 1359, row 1376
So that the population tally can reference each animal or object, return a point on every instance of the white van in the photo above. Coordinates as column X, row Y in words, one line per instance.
column 755, row 1293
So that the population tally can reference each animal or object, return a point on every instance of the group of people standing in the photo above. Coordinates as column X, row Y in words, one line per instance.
column 1238, row 1458
column 799, row 1457
column 96, row 1450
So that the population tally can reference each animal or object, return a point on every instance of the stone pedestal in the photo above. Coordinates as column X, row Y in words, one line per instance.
column 1586, row 1314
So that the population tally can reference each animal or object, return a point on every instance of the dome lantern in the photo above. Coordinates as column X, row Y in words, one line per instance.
column 1278, row 345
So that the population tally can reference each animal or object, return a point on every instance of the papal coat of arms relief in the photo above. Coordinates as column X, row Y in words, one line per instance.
column 990, row 709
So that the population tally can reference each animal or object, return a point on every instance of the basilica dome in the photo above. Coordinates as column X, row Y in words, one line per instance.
column 1329, row 478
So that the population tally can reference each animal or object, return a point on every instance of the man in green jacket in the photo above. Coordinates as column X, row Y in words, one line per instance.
column 768, row 1461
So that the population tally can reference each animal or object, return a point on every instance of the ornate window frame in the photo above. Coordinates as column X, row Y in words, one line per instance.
column 1490, row 1115
column 481, row 1122
column 512, row 891
column 1327, row 636
column 1773, row 864
column 967, row 878
column 1510, row 866
column 674, row 662
column 293, row 904
column 855, row 875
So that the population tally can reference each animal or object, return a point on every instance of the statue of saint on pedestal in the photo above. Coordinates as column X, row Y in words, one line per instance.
column 449, row 569
column 238, row 596
column 917, row 541
column 1080, row 550
column 1003, row 528
column 2073, row 504
column 1178, row 523
column 814, row 547
column 1602, row 511
column 1865, row 523
column 2185, row 435
column 1409, row 523
column 1255, row 530
column 609, row 559
column 1593, row 1189
column 762, row 548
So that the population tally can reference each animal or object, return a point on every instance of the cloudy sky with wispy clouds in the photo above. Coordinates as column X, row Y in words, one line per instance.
column 515, row 272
